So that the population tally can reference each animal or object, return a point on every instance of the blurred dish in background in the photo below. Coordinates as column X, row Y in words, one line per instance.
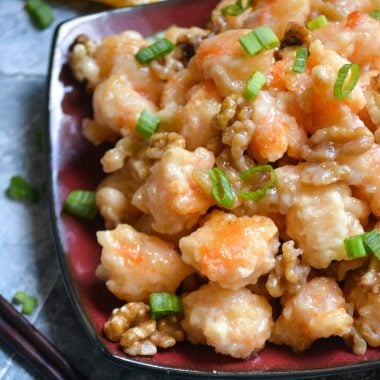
column 126, row 3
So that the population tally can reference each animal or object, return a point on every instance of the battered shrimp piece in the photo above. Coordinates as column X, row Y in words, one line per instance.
column 337, row 10
column 116, row 56
column 138, row 264
column 222, row 59
column 117, row 105
column 321, row 219
column 277, row 14
column 325, row 109
column 171, row 194
column 317, row 311
column 355, row 38
column 276, row 130
column 367, row 310
column 365, row 175
column 232, row 251
column 114, row 195
column 235, row 323
column 193, row 120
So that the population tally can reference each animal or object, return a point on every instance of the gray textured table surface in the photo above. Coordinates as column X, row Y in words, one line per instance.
column 27, row 259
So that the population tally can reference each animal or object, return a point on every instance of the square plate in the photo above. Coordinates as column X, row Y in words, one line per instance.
column 72, row 163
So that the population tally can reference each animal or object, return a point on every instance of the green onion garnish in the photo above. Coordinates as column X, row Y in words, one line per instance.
column 372, row 242
column 251, row 174
column 163, row 304
column 299, row 64
column 236, row 9
column 81, row 203
column 21, row 190
column 375, row 14
column 260, row 38
column 355, row 247
column 157, row 50
column 147, row 124
column 28, row 303
column 251, row 44
column 341, row 92
column 317, row 23
column 221, row 188
column 40, row 12
column 254, row 85
column 267, row 37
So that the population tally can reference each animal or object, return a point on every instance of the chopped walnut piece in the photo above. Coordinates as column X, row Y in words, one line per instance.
column 160, row 141
column 296, row 35
column 371, row 278
column 138, row 333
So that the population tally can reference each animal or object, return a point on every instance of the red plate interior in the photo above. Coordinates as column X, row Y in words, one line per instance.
column 73, row 164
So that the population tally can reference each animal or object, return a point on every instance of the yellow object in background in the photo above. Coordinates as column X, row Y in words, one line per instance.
column 126, row 3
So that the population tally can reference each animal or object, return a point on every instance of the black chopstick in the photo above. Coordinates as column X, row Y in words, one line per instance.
column 23, row 330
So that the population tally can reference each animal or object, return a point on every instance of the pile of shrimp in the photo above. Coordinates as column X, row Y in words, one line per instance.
column 273, row 269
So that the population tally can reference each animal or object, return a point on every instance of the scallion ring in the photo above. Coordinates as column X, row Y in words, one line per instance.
column 260, row 38
column 154, row 51
column 236, row 9
column 81, row 203
column 254, row 85
column 299, row 64
column 40, row 12
column 375, row 14
column 371, row 241
column 20, row 190
column 221, row 188
column 29, row 303
column 317, row 23
column 354, row 246
column 269, row 184
column 164, row 304
column 147, row 124
column 341, row 91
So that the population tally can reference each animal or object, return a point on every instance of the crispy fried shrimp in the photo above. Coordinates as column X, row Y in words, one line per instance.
column 235, row 323
column 318, row 310
column 233, row 251
column 138, row 264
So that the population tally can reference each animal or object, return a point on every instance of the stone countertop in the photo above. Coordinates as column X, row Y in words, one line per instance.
column 28, row 260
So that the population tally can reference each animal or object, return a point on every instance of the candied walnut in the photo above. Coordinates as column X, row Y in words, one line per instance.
column 296, row 35
column 129, row 315
column 82, row 62
column 126, row 147
column 159, row 142
column 355, row 341
column 324, row 173
column 339, row 269
column 289, row 275
column 327, row 144
column 164, row 68
column 370, row 279
column 138, row 333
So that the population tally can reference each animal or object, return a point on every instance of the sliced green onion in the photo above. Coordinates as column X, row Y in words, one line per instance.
column 317, row 23
column 251, row 44
column 29, row 303
column 147, row 124
column 40, row 12
column 375, row 14
column 372, row 242
column 340, row 91
column 260, row 38
column 355, row 246
column 157, row 50
column 299, row 64
column 81, row 203
column 221, row 188
column 237, row 8
column 254, row 85
column 269, row 184
column 163, row 304
column 267, row 37
column 21, row 190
